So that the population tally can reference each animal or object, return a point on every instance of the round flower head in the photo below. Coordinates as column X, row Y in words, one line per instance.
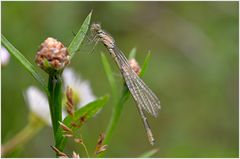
column 52, row 56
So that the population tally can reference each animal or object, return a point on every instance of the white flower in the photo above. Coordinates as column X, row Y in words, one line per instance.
column 5, row 56
column 81, row 88
column 38, row 102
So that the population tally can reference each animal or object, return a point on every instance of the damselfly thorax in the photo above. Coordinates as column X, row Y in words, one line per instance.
column 144, row 97
column 106, row 39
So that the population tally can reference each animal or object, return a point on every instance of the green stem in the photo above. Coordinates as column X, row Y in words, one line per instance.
column 33, row 127
column 117, row 111
column 55, row 103
column 86, row 150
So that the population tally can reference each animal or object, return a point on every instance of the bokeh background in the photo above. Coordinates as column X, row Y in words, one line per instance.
column 193, row 70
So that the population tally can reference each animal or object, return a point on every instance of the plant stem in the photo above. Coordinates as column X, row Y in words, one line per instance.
column 33, row 127
column 117, row 111
column 85, row 148
column 55, row 104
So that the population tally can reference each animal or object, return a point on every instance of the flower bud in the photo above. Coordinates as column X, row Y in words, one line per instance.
column 52, row 56
column 134, row 65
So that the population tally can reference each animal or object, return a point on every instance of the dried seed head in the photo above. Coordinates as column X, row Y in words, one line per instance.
column 68, row 135
column 52, row 56
column 101, row 149
column 100, row 139
column 82, row 119
column 100, row 146
column 73, row 124
column 65, row 128
column 69, row 104
column 75, row 155
column 78, row 140
column 59, row 153
column 134, row 65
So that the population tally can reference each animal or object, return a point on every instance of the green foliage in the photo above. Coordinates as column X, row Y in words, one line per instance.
column 148, row 153
column 117, row 111
column 78, row 39
column 132, row 53
column 88, row 111
column 25, row 63
column 110, row 75
column 55, row 86
column 145, row 64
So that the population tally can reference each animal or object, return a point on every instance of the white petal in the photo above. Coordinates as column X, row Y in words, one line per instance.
column 64, row 114
column 85, row 93
column 82, row 88
column 5, row 56
column 38, row 103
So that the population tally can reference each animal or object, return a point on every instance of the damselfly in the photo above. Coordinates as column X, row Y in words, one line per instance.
column 144, row 97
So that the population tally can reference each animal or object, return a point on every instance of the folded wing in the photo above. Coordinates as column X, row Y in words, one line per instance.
column 141, row 93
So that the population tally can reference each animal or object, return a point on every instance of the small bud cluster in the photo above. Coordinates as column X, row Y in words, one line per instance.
column 69, row 103
column 134, row 65
column 52, row 55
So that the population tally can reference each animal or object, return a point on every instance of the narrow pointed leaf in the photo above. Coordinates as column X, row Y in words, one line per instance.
column 145, row 64
column 87, row 111
column 27, row 65
column 132, row 53
column 110, row 75
column 78, row 39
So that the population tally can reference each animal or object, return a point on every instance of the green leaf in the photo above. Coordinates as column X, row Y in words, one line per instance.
column 110, row 75
column 145, row 64
column 77, row 40
column 132, row 53
column 87, row 112
column 117, row 111
column 148, row 153
column 29, row 67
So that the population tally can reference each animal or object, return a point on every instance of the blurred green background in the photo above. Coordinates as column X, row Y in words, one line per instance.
column 193, row 70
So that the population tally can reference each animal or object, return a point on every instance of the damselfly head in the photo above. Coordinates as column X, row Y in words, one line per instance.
column 95, row 27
